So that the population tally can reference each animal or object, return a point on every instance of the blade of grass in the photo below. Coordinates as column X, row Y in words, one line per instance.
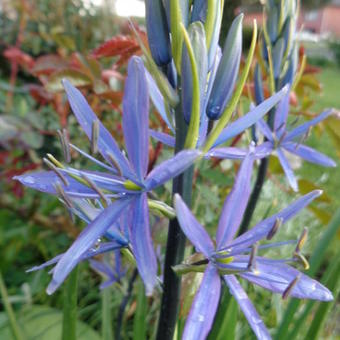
column 315, row 261
column 15, row 329
column 139, row 321
column 107, row 332
column 70, row 306
column 224, row 327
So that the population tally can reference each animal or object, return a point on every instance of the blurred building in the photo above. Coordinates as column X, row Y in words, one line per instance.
column 323, row 21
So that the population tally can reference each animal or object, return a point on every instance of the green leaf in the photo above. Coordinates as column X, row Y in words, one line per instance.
column 78, row 79
column 139, row 321
column 225, row 322
column 43, row 323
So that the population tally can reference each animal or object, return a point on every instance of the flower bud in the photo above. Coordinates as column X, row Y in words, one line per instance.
column 227, row 71
column 158, row 32
column 198, row 42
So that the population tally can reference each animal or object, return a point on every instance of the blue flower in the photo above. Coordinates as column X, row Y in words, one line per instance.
column 279, row 139
column 124, row 185
column 231, row 257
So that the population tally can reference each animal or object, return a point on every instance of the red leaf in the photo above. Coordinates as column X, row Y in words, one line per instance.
column 116, row 46
column 14, row 54
column 48, row 64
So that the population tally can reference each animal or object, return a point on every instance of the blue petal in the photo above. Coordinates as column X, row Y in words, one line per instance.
column 171, row 168
column 86, row 117
column 163, row 137
column 250, row 118
column 278, row 51
column 262, row 229
column 300, row 130
column 287, row 170
column 309, row 154
column 87, row 238
column 235, row 203
column 102, row 248
column 136, row 117
column 199, row 11
column 227, row 153
column 193, row 230
column 265, row 129
column 204, row 306
column 142, row 243
column 45, row 180
column 247, row 307
column 281, row 114
column 276, row 277
column 157, row 99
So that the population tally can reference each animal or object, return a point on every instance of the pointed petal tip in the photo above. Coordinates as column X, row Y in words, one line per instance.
column 52, row 287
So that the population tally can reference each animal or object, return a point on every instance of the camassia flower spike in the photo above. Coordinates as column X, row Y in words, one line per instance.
column 280, row 139
column 125, row 183
column 239, row 256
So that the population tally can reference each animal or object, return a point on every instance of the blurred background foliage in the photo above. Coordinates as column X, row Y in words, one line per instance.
column 43, row 41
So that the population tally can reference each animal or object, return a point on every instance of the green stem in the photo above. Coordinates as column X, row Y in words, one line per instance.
column 70, row 307
column 175, row 244
column 16, row 331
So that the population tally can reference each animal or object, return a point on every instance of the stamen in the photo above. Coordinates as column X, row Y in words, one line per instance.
column 56, row 171
column 290, row 287
column 95, row 136
column 64, row 140
column 54, row 161
column 114, row 163
column 284, row 134
column 302, row 240
column 252, row 258
column 281, row 126
column 303, row 138
column 95, row 188
column 277, row 224
column 62, row 194
column 302, row 260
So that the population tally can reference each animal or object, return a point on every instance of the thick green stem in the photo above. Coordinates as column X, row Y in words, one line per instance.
column 70, row 306
column 14, row 327
column 175, row 244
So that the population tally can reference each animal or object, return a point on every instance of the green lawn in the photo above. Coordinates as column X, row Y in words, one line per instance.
column 330, row 96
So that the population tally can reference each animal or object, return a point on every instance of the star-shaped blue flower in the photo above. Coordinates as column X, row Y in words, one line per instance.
column 124, row 185
column 279, row 139
column 231, row 257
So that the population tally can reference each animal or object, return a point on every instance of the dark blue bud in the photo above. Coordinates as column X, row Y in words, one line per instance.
column 172, row 74
column 289, row 76
column 158, row 32
column 285, row 34
column 199, row 11
column 258, row 86
column 273, row 23
column 227, row 71
column 277, row 56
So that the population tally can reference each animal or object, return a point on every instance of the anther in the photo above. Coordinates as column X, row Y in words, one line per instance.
column 94, row 136
column 64, row 140
column 114, row 163
column 290, row 287
column 56, row 171
column 302, row 240
column 303, row 138
column 62, row 194
column 94, row 187
column 252, row 258
column 277, row 224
